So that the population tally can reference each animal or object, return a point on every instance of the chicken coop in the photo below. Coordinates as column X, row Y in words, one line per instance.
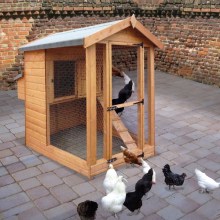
column 69, row 82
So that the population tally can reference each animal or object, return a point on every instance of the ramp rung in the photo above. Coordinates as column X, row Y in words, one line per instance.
column 120, row 128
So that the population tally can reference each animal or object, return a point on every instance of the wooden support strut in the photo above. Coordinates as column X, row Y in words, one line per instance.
column 114, row 107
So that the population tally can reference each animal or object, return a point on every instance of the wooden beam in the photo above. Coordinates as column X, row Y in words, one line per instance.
column 91, row 135
column 110, row 100
column 148, row 35
column 128, row 104
column 100, row 35
column 133, row 21
column 106, row 101
column 151, row 98
column 140, row 92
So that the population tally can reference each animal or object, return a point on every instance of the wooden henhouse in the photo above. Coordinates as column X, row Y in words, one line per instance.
column 68, row 85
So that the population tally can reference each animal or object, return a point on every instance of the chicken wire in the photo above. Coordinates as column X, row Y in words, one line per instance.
column 64, row 78
column 116, row 141
column 68, row 115
column 68, row 126
column 68, row 118
column 125, row 59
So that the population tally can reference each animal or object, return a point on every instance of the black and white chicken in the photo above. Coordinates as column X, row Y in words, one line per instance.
column 145, row 182
column 205, row 182
column 125, row 93
column 133, row 200
column 173, row 179
column 87, row 210
column 146, row 168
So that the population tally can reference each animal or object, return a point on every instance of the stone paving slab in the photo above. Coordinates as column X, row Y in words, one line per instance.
column 33, row 187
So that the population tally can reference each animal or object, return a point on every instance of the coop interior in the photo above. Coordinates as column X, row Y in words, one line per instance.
column 67, row 108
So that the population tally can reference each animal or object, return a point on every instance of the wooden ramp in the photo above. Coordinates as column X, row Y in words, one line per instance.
column 119, row 130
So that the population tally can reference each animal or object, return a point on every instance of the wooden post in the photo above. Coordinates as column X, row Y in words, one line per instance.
column 91, row 134
column 109, row 113
column 106, row 101
column 140, row 86
column 151, row 98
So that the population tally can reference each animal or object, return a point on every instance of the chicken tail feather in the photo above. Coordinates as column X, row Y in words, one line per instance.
column 123, row 148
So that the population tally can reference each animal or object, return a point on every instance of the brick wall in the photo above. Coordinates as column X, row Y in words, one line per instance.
column 189, row 29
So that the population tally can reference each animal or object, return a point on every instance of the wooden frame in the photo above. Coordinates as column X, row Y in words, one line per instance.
column 35, row 88
column 91, row 104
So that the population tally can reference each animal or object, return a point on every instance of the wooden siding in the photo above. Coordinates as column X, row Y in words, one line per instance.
column 35, row 92
column 128, row 36
column 21, row 88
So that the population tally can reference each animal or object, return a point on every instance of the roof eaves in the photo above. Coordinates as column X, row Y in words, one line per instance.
column 149, row 35
column 27, row 47
column 108, row 31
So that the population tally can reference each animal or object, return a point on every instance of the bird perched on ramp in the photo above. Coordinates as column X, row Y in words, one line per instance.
column 87, row 210
column 205, row 182
column 173, row 179
column 126, row 92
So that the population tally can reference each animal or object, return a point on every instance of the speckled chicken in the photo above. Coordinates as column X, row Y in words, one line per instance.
column 173, row 179
column 87, row 210
column 130, row 157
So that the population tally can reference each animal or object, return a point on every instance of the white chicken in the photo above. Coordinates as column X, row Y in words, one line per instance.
column 205, row 182
column 113, row 202
column 110, row 180
column 146, row 168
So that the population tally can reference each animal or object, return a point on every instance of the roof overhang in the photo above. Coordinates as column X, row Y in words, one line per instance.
column 90, row 35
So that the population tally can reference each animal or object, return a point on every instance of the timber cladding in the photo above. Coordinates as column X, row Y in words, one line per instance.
column 187, row 29
column 35, row 117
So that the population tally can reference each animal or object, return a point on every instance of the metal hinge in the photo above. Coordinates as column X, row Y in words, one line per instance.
column 111, row 160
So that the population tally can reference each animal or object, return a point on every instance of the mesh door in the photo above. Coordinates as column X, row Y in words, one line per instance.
column 125, row 128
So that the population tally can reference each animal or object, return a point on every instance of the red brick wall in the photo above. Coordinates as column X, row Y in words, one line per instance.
column 190, row 32
column 192, row 47
column 13, row 33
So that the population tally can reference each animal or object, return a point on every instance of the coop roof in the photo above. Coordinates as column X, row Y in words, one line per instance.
column 89, row 35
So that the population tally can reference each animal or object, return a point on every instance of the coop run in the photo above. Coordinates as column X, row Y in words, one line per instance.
column 88, row 91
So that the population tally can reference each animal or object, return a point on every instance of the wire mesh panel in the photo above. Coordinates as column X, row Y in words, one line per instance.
column 64, row 78
column 68, row 126
column 100, row 49
column 68, row 115
column 124, row 90
column 146, row 129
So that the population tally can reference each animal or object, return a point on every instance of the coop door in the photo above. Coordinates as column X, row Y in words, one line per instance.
column 127, row 98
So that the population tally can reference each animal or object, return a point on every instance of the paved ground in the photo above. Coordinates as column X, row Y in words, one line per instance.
column 33, row 187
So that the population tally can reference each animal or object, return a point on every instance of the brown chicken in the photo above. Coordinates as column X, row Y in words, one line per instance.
column 130, row 157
